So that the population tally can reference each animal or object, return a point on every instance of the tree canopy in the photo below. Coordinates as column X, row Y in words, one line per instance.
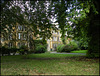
column 80, row 19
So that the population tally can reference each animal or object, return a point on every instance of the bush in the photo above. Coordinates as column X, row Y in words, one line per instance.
column 60, row 48
column 40, row 48
column 83, row 43
column 13, row 50
column 74, row 45
column 39, row 42
column 68, row 47
column 5, row 50
column 30, row 51
column 23, row 50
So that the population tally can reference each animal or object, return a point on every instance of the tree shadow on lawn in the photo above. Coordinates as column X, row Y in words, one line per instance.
column 78, row 58
column 83, row 58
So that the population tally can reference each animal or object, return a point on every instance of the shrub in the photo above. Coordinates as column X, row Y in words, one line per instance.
column 23, row 50
column 68, row 47
column 83, row 43
column 39, row 42
column 74, row 45
column 4, row 51
column 40, row 48
column 13, row 50
column 60, row 48
column 30, row 51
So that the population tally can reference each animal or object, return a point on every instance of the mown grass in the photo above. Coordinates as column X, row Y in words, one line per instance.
column 48, row 55
column 49, row 64
column 79, row 51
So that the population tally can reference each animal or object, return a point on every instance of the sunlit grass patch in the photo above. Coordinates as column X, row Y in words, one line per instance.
column 48, row 55
column 79, row 51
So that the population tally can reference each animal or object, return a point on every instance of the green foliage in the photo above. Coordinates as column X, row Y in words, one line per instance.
column 85, row 25
column 90, row 27
column 84, row 45
column 92, row 55
column 24, row 47
column 13, row 50
column 39, row 42
column 39, row 20
column 60, row 48
column 82, row 42
column 68, row 47
column 40, row 48
column 73, row 64
column 4, row 51
column 23, row 50
column 79, row 51
column 60, row 11
column 11, row 14
column 74, row 44
column 8, row 51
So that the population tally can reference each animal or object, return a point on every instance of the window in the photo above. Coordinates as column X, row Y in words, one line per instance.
column 40, row 38
column 19, row 35
column 23, row 44
column 2, row 39
column 54, row 46
column 58, row 39
column 58, row 33
column 54, row 32
column 24, row 28
column 19, row 45
column 54, row 38
column 10, row 37
column 10, row 44
column 24, row 36
column 19, row 27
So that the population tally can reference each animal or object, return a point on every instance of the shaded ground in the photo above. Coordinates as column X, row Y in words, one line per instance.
column 78, row 58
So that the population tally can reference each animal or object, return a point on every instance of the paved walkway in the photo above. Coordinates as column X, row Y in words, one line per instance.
column 70, row 53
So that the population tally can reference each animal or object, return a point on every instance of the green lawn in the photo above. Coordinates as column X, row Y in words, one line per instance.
column 79, row 51
column 49, row 64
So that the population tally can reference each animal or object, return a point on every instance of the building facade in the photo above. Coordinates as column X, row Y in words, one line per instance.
column 21, row 35
column 54, row 41
column 16, row 36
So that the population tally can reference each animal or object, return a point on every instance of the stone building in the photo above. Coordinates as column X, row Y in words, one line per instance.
column 21, row 35
column 16, row 36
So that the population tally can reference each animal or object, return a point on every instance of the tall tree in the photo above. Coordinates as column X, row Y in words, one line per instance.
column 34, row 14
column 60, row 13
column 11, row 13
column 40, row 19
column 84, row 16
column 88, row 25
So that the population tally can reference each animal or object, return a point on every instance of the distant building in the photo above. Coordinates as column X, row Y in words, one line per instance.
column 17, row 36
column 21, row 35
column 54, row 41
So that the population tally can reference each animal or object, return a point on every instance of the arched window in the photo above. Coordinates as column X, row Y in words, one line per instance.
column 19, row 44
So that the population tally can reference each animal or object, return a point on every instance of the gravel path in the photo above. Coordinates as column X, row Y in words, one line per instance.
column 70, row 53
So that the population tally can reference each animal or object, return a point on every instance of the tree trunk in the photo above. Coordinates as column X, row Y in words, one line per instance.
column 94, row 27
